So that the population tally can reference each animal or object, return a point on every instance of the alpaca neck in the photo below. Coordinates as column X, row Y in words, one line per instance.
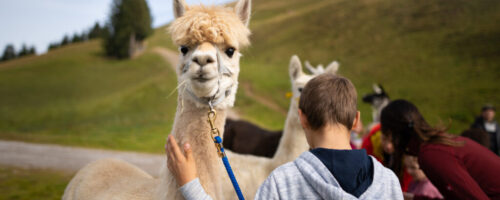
column 293, row 142
column 191, row 126
column 377, row 111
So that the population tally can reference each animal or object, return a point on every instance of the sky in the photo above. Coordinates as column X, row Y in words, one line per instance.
column 40, row 22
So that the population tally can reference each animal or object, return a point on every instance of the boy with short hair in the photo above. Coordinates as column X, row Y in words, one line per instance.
column 331, row 169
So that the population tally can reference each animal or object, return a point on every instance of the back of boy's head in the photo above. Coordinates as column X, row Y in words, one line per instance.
column 329, row 99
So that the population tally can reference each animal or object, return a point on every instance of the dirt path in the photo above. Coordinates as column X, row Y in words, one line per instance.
column 168, row 55
column 69, row 159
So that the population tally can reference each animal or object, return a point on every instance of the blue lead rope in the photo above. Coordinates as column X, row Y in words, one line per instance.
column 237, row 189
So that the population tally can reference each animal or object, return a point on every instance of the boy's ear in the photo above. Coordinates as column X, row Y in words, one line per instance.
column 356, row 120
column 303, row 120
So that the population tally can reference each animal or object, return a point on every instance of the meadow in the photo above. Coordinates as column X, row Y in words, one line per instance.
column 441, row 55
column 18, row 183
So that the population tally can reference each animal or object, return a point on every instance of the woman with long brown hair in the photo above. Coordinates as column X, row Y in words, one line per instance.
column 459, row 167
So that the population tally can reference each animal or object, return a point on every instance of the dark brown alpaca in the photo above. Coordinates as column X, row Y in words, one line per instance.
column 246, row 138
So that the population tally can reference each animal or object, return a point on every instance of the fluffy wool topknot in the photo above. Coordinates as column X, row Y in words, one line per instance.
column 215, row 24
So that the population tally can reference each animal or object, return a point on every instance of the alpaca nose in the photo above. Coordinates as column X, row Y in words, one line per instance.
column 203, row 59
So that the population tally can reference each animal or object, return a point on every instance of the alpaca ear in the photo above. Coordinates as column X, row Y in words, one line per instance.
column 243, row 9
column 320, row 69
column 179, row 8
column 309, row 67
column 295, row 67
column 332, row 68
column 377, row 89
column 381, row 88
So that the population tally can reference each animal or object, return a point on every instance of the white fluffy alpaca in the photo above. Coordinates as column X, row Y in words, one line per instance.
column 209, row 40
column 251, row 171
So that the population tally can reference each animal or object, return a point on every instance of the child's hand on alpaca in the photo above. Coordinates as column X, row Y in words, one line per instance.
column 183, row 167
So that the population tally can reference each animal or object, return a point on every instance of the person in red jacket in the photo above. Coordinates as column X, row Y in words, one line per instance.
column 380, row 148
column 459, row 167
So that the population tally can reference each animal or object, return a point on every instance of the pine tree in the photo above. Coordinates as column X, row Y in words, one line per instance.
column 53, row 46
column 9, row 53
column 32, row 50
column 84, row 36
column 128, row 26
column 65, row 41
column 96, row 31
column 24, row 51
column 76, row 38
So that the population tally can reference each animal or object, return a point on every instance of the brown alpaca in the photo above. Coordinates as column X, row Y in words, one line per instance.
column 246, row 138
column 210, row 39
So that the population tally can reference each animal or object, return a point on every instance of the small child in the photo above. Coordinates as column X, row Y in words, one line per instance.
column 420, row 187
column 330, row 170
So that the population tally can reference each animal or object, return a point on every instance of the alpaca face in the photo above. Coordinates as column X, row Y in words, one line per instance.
column 300, row 79
column 209, row 40
column 378, row 98
column 210, row 71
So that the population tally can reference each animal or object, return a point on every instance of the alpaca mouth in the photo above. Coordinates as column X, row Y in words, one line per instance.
column 201, row 78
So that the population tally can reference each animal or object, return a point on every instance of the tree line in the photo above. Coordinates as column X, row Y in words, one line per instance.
column 129, row 24
column 97, row 31
column 10, row 52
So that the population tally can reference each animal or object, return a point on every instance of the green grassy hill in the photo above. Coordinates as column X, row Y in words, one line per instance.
column 16, row 183
column 76, row 96
column 442, row 55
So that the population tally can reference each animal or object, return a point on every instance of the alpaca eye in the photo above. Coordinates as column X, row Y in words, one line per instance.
column 300, row 89
column 184, row 50
column 230, row 52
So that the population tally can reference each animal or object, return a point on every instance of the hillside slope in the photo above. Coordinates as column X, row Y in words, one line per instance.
column 442, row 55
column 76, row 96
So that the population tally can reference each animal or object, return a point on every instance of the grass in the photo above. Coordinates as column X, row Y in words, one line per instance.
column 76, row 96
column 31, row 184
column 441, row 55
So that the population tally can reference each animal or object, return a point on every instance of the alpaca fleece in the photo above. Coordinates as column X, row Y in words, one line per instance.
column 218, row 25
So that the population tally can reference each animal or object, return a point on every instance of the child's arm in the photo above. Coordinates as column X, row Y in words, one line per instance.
column 183, row 167
column 194, row 191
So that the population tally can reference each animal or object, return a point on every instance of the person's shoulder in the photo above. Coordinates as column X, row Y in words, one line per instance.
column 385, row 184
column 289, row 171
column 478, row 122
column 431, row 149
column 285, row 169
column 383, row 173
column 282, row 176
column 385, row 176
